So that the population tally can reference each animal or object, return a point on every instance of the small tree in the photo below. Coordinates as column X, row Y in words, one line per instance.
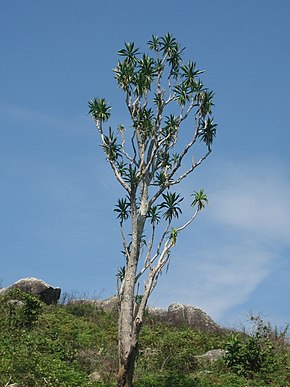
column 161, row 93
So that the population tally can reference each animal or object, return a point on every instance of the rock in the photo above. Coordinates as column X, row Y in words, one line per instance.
column 179, row 314
column 158, row 314
column 212, row 355
column 108, row 305
column 176, row 313
column 46, row 293
column 95, row 377
column 149, row 352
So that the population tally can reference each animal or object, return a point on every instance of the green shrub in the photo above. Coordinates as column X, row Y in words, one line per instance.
column 252, row 354
column 20, row 309
column 61, row 345
column 168, row 379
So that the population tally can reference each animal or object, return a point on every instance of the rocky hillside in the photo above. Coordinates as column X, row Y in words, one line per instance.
column 43, row 343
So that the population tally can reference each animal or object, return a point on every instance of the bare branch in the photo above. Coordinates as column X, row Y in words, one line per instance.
column 125, row 245
column 152, row 280
column 128, row 157
column 189, row 222
column 119, row 178
column 113, row 166
column 148, row 263
column 191, row 106
column 134, row 148
column 192, row 168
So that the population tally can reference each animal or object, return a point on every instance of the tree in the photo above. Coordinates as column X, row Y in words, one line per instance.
column 161, row 93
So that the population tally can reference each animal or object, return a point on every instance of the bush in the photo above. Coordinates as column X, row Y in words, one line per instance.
column 253, row 354
column 61, row 345
column 168, row 379
column 20, row 309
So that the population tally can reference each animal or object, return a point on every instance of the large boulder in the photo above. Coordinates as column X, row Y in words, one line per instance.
column 179, row 314
column 46, row 293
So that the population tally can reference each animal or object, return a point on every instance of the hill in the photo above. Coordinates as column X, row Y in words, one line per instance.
column 75, row 344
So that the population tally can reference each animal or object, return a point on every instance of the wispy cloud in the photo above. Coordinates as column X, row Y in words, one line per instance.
column 246, row 229
column 41, row 119
column 217, row 278
column 255, row 199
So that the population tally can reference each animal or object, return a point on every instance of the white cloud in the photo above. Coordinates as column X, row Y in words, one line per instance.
column 220, row 278
column 237, row 245
column 229, row 279
column 255, row 199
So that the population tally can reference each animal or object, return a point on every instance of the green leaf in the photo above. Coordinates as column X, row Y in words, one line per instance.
column 154, row 215
column 183, row 93
column 208, row 132
column 129, row 52
column 200, row 199
column 122, row 209
column 154, row 44
column 168, row 44
column 171, row 125
column 189, row 73
column 173, row 236
column 99, row 109
column 124, row 74
column 131, row 176
column 205, row 101
column 111, row 147
column 171, row 205
column 121, row 273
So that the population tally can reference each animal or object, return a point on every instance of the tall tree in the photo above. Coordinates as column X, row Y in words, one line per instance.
column 162, row 93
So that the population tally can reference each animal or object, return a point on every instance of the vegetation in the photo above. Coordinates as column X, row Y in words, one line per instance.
column 61, row 345
column 170, row 112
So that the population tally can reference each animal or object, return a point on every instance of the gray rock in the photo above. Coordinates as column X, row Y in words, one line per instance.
column 158, row 314
column 212, row 355
column 46, row 293
column 108, row 305
column 179, row 314
column 95, row 377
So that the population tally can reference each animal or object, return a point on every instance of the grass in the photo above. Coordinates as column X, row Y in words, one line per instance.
column 61, row 345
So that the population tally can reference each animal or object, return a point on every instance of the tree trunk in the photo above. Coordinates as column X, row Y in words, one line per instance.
column 126, row 310
column 127, row 357
column 126, row 369
column 129, row 329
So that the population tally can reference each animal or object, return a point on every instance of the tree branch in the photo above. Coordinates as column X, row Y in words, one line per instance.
column 148, row 263
column 194, row 165
column 113, row 166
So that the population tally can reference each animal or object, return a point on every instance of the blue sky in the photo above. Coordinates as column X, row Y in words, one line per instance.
column 57, row 191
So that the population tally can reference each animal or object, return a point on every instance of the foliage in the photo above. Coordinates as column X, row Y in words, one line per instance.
column 255, row 353
column 146, row 157
column 69, row 342
column 21, row 309
column 163, row 95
